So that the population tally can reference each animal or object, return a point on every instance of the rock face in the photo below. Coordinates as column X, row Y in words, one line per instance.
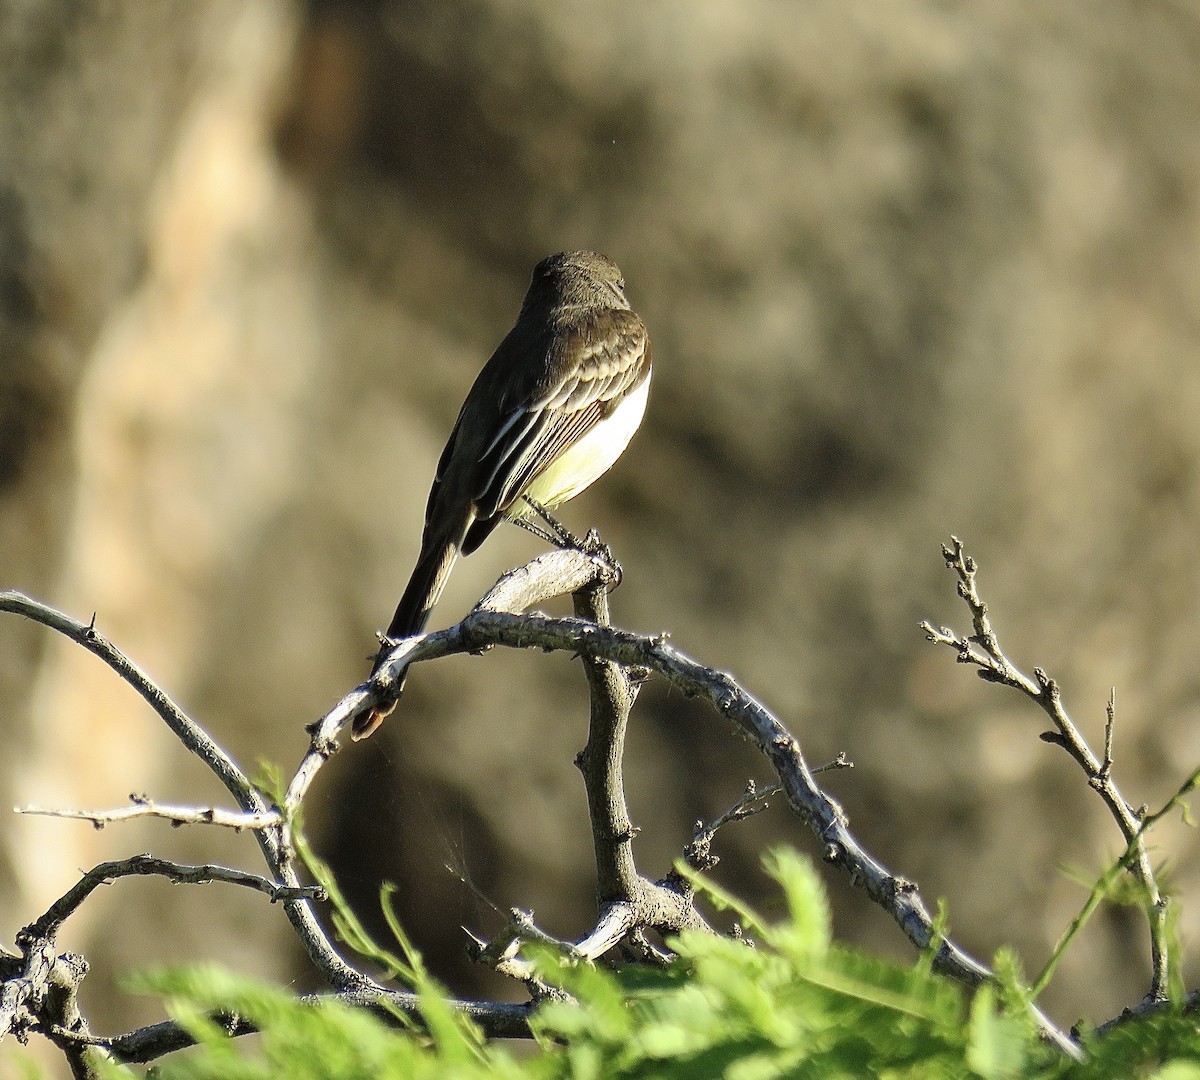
column 909, row 271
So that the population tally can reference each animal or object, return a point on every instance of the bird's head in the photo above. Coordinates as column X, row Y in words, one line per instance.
column 576, row 277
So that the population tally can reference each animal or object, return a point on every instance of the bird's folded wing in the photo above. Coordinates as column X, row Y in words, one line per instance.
column 612, row 359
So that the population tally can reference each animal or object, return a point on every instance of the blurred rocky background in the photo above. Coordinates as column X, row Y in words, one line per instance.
column 910, row 269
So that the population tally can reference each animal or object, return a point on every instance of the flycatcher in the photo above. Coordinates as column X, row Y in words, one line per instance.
column 550, row 412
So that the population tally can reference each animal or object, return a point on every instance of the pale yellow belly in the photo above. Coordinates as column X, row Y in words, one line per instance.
column 589, row 459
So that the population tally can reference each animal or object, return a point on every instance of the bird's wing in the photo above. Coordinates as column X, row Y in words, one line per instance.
column 599, row 361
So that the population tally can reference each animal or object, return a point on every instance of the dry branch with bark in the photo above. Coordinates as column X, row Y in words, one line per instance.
column 635, row 913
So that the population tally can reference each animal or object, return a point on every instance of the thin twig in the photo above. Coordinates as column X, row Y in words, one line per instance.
column 176, row 815
column 1106, row 881
column 838, row 763
column 982, row 650
column 147, row 865
column 1110, row 721
column 698, row 853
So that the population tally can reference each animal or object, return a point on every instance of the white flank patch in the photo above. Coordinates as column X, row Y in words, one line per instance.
column 588, row 459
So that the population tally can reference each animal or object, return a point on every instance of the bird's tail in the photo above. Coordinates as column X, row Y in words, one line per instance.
column 424, row 588
column 412, row 614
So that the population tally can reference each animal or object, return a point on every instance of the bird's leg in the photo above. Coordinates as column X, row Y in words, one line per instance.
column 559, row 535
column 537, row 530
column 562, row 537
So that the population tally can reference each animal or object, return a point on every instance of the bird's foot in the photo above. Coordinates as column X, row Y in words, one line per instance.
column 560, row 536
column 595, row 547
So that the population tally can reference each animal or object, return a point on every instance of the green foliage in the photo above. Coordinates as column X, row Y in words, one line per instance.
column 298, row 1041
column 793, row 1003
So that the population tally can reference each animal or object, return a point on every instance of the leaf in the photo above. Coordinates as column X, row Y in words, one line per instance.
column 721, row 898
column 997, row 1042
column 807, row 935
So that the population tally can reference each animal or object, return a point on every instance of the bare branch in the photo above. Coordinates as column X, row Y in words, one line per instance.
column 695, row 680
column 827, row 820
column 600, row 761
column 502, row 1020
column 1188, row 1007
column 39, row 988
column 698, row 853
column 147, row 865
column 627, row 900
column 983, row 651
column 502, row 952
column 274, row 842
column 194, row 738
column 176, row 815
column 1110, row 721
column 557, row 573
column 609, row 653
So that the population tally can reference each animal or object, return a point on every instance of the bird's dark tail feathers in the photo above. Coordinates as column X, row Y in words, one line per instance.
column 412, row 614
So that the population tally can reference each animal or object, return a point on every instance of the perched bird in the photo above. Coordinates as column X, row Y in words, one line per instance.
column 550, row 412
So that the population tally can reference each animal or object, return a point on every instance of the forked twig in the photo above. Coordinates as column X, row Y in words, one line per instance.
column 982, row 650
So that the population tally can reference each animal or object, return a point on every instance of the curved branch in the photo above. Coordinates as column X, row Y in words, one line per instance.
column 898, row 897
column 273, row 841
column 557, row 573
column 821, row 813
column 106, row 873
column 197, row 741
column 194, row 738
